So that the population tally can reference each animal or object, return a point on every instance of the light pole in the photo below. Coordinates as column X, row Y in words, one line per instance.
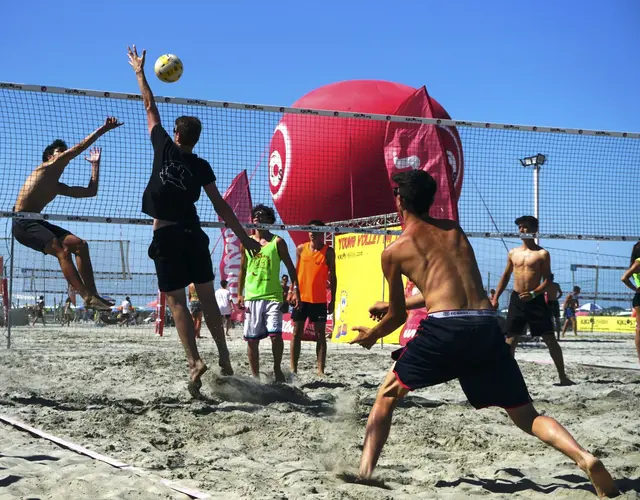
column 535, row 162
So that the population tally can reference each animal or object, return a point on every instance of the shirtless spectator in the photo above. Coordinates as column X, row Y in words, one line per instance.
column 531, row 266
column 571, row 304
column 554, row 292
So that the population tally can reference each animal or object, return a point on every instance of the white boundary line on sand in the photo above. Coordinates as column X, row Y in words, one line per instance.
column 103, row 458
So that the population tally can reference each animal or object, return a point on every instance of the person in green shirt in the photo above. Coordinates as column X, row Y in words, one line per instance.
column 260, row 291
column 634, row 273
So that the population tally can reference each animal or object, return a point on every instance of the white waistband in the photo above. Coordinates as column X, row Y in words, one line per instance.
column 462, row 313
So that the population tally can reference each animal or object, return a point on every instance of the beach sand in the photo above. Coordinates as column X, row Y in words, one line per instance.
column 122, row 393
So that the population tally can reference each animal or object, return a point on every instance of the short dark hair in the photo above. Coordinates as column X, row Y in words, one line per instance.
column 577, row 288
column 551, row 276
column 492, row 290
column 528, row 220
column 315, row 222
column 127, row 298
column 417, row 188
column 266, row 210
column 224, row 283
column 285, row 276
column 189, row 128
column 635, row 253
column 48, row 151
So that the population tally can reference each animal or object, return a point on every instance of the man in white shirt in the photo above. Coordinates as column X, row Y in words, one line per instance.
column 126, row 311
column 225, row 303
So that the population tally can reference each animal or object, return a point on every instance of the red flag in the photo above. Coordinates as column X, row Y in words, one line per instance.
column 238, row 197
column 413, row 146
column 416, row 146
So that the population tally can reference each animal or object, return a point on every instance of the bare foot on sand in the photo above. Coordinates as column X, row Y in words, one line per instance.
column 97, row 303
column 195, row 374
column 565, row 381
column 226, row 370
column 601, row 479
column 279, row 375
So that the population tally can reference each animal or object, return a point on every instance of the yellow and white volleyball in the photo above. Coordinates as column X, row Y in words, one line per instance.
column 168, row 68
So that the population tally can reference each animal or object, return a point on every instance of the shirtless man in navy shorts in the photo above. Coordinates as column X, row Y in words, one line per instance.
column 531, row 266
column 40, row 189
column 459, row 339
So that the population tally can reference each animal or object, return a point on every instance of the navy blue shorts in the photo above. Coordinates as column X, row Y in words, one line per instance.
column 181, row 256
column 534, row 313
column 470, row 349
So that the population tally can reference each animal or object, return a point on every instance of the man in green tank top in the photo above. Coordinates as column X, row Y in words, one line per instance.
column 260, row 291
column 633, row 273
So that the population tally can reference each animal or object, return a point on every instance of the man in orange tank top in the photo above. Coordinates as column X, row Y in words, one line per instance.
column 316, row 265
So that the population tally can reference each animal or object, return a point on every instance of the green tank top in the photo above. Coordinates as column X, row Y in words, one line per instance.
column 262, row 279
column 636, row 277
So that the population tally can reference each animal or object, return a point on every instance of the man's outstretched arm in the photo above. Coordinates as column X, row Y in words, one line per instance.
column 92, row 189
column 379, row 309
column 223, row 209
column 137, row 63
column 504, row 280
column 64, row 158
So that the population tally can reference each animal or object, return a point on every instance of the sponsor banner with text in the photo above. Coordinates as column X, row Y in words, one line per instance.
column 606, row 324
column 360, row 283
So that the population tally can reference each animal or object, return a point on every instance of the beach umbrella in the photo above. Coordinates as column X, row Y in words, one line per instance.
column 590, row 307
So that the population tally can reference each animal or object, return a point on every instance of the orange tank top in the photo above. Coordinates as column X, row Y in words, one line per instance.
column 313, row 273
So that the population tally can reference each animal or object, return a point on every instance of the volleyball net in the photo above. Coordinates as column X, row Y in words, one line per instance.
column 316, row 164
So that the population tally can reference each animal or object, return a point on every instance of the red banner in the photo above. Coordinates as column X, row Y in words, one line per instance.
column 413, row 146
column 238, row 197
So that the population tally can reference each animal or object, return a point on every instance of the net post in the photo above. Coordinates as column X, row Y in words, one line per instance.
column 384, row 246
column 123, row 260
column 536, row 198
column 160, row 311
column 7, row 296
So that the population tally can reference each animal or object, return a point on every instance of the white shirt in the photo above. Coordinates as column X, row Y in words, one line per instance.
column 223, row 298
column 126, row 305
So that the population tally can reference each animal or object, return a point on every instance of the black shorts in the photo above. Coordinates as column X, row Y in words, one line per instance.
column 470, row 349
column 195, row 307
column 181, row 256
column 636, row 300
column 554, row 308
column 315, row 312
column 37, row 234
column 534, row 313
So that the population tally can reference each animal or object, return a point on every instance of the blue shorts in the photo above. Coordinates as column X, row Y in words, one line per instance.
column 569, row 313
column 470, row 349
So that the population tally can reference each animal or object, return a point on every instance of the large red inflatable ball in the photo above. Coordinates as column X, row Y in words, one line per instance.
column 333, row 169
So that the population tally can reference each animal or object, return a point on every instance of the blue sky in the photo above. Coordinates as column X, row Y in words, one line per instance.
column 542, row 63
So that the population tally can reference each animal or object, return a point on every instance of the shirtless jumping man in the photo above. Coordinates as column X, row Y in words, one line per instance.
column 531, row 266
column 40, row 189
column 460, row 339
